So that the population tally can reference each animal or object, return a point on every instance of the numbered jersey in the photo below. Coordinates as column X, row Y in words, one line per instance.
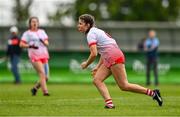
column 100, row 38
column 33, row 38
column 106, row 46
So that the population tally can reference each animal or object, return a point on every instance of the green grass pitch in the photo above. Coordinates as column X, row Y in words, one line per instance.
column 84, row 100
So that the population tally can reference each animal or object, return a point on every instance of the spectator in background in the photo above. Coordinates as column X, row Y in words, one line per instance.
column 151, row 48
column 14, row 52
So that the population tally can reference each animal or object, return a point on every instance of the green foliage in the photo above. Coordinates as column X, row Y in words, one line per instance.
column 130, row 10
column 21, row 11
column 116, row 10
column 63, row 10
column 88, row 6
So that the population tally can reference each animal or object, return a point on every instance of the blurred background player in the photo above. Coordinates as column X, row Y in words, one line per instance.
column 111, row 62
column 151, row 49
column 36, row 40
column 14, row 52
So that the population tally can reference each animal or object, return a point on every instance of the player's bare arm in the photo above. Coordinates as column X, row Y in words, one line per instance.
column 91, row 58
column 23, row 45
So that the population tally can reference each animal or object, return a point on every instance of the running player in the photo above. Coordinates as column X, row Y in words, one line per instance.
column 36, row 40
column 112, row 61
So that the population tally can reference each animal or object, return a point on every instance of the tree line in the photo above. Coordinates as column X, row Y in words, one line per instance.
column 105, row 10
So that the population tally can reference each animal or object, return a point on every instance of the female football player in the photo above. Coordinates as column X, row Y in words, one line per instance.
column 36, row 40
column 112, row 61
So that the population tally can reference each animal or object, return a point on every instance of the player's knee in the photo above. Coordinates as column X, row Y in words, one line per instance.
column 96, row 81
column 41, row 74
column 124, row 87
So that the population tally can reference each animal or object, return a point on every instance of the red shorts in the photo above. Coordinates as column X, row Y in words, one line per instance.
column 112, row 57
column 42, row 60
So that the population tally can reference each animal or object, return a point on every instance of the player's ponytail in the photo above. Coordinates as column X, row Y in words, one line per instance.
column 88, row 19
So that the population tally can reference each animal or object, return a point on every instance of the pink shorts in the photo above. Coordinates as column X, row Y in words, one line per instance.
column 113, row 57
column 42, row 60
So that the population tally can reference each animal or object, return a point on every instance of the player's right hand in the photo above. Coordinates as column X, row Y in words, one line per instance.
column 84, row 65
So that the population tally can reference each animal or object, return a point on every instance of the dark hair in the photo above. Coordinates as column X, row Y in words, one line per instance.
column 88, row 19
column 30, row 19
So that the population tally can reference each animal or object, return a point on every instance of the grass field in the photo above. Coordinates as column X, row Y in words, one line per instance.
column 84, row 100
column 72, row 94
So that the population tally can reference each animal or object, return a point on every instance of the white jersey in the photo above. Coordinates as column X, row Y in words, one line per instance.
column 101, row 39
column 33, row 38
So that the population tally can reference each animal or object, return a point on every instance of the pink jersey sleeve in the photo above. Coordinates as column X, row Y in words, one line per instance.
column 91, row 38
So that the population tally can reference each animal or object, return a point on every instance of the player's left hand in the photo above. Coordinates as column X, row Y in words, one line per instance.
column 84, row 65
